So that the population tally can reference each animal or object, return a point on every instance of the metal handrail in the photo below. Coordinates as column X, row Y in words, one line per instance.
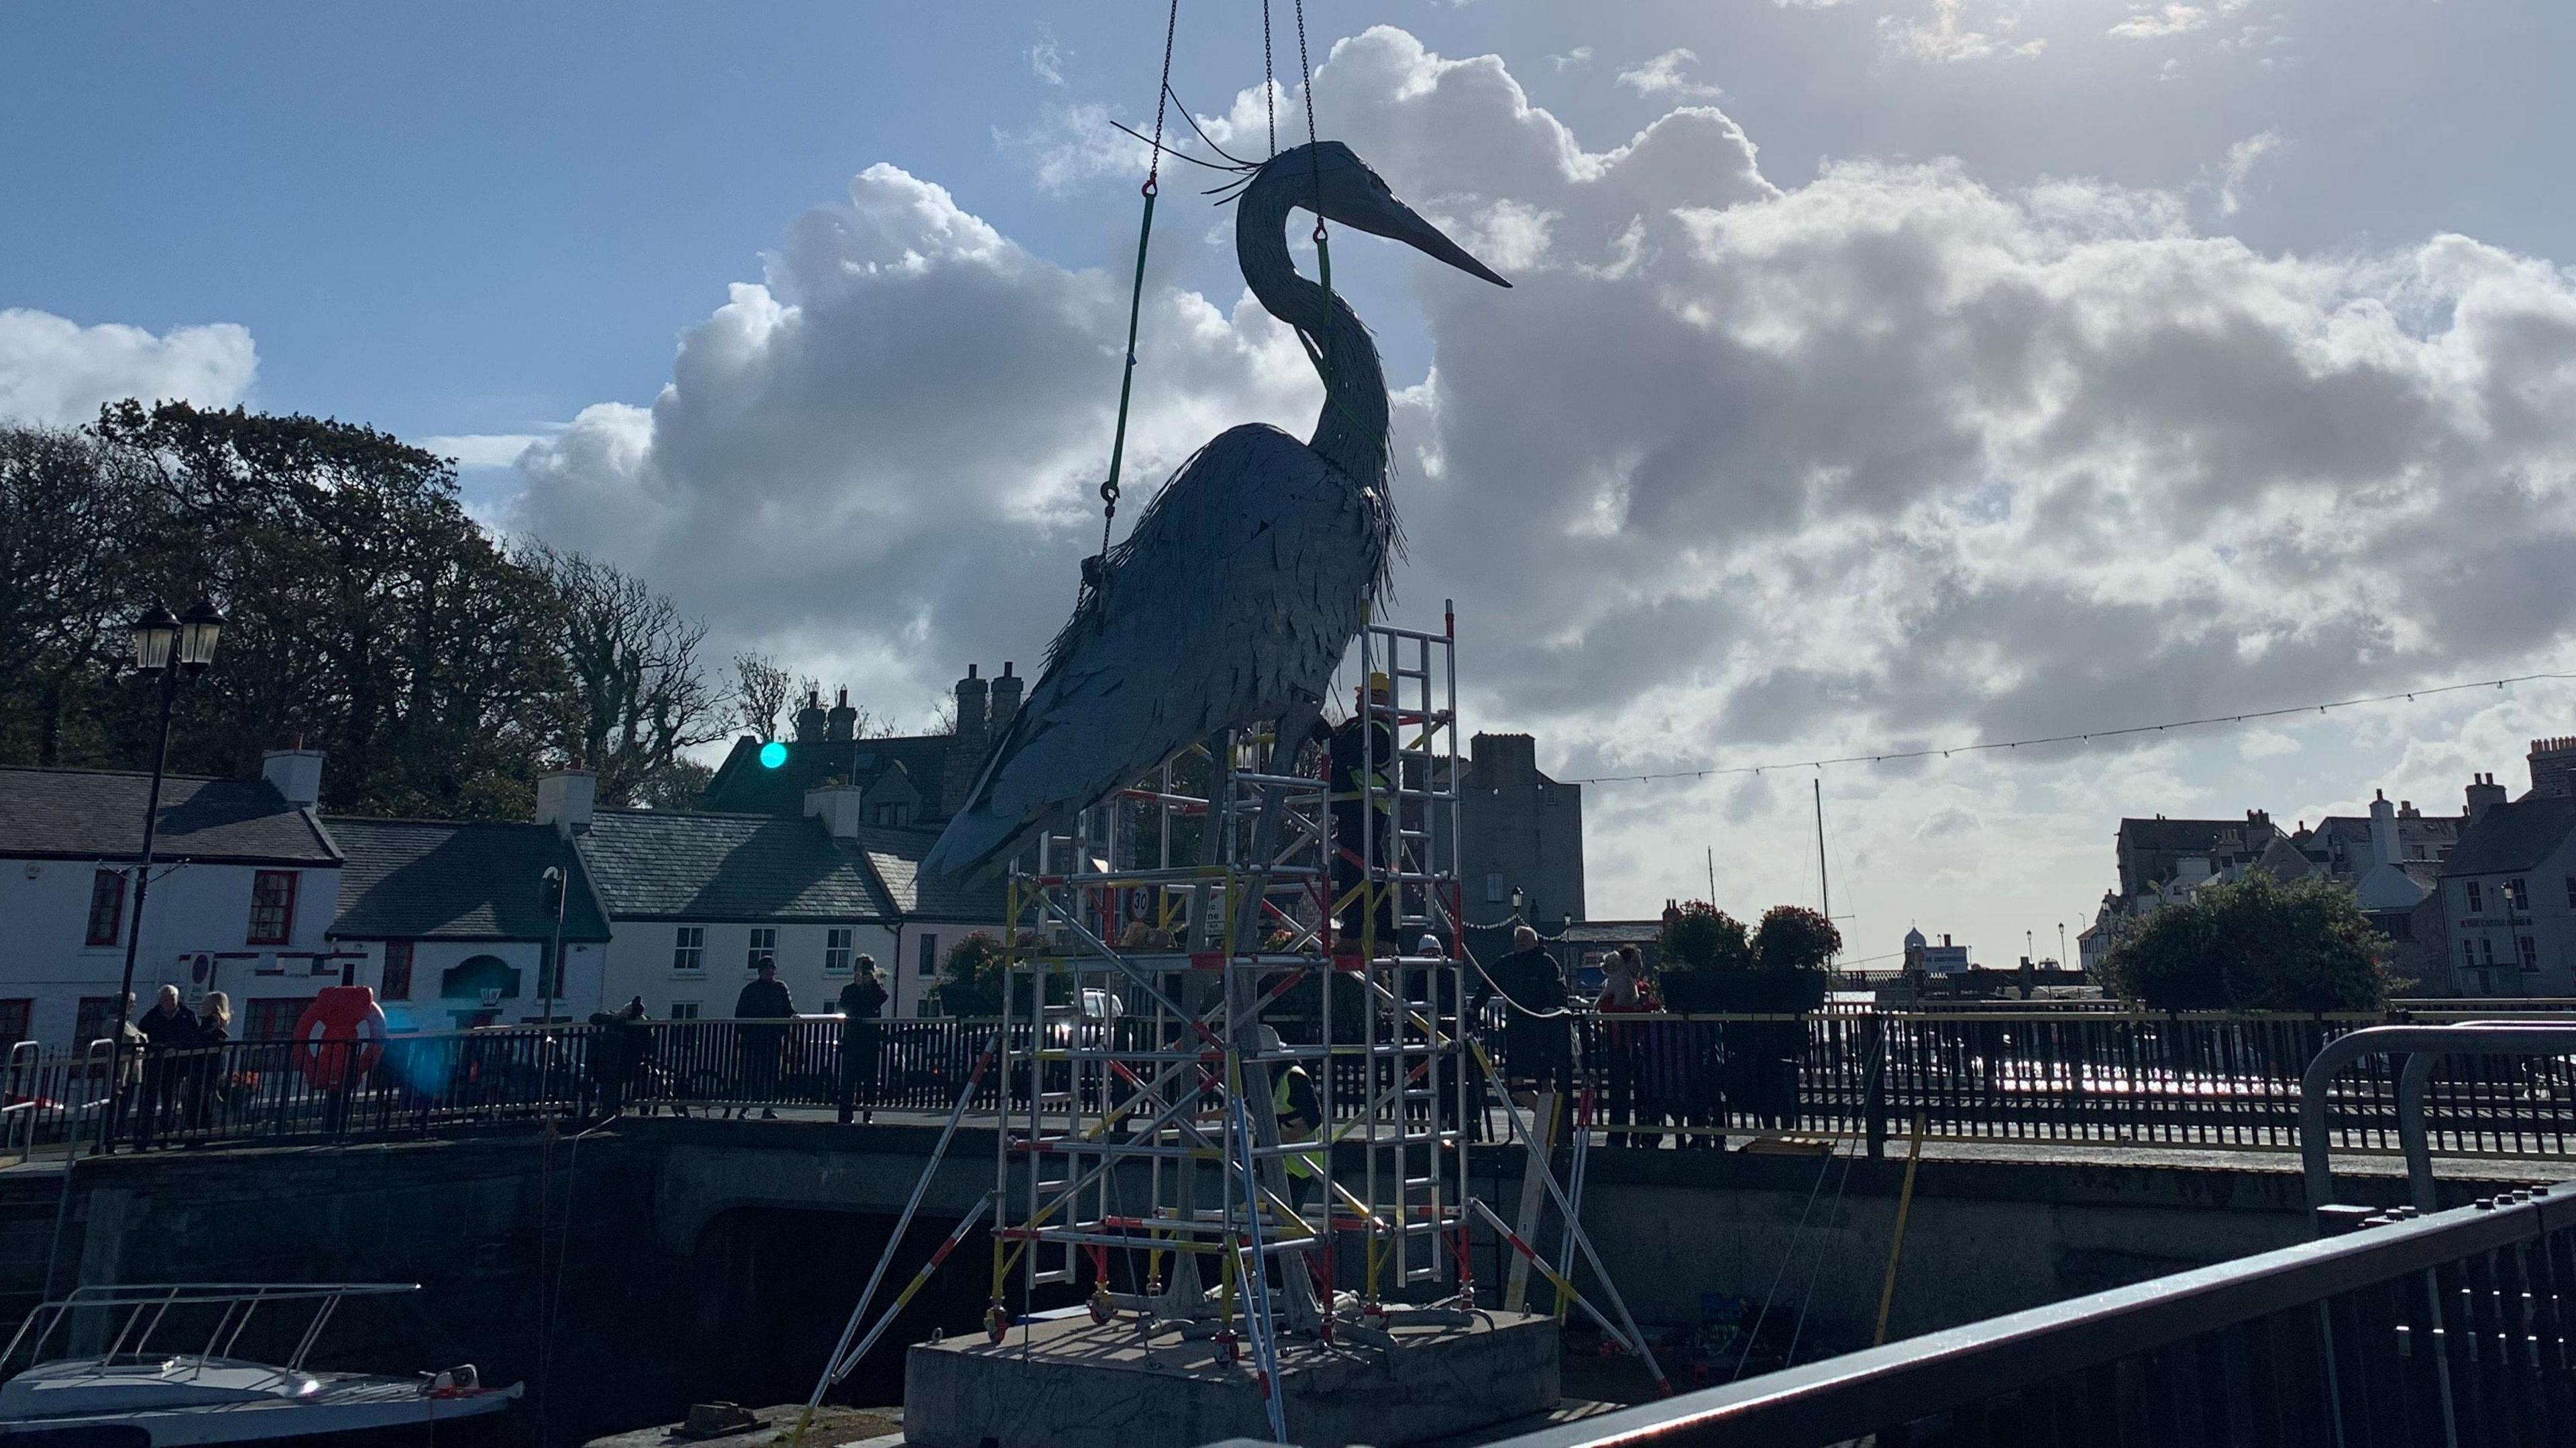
column 2486, row 1039
column 1848, row 1397
column 158, row 1298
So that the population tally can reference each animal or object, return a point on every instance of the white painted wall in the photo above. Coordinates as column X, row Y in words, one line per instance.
column 44, row 920
column 424, row 1010
column 638, row 962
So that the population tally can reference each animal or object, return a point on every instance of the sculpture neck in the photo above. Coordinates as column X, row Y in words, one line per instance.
column 1351, row 430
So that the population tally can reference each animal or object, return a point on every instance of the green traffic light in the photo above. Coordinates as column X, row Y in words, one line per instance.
column 772, row 754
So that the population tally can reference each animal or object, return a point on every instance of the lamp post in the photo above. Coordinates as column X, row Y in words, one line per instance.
column 169, row 647
column 550, row 973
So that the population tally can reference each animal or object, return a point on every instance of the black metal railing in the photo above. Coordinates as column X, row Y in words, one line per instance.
column 2040, row 1075
column 2441, row 1330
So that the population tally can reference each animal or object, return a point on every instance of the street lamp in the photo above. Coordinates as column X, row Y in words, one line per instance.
column 169, row 647
column 550, row 973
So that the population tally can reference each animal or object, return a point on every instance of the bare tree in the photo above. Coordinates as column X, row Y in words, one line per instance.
column 639, row 696
column 760, row 693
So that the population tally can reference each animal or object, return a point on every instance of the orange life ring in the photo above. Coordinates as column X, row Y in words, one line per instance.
column 340, row 1037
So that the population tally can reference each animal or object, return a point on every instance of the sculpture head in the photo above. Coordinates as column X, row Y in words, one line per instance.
column 1325, row 178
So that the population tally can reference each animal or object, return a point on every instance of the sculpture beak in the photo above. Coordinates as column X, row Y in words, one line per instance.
column 1398, row 222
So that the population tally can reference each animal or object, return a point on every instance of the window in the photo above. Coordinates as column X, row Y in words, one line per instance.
column 2477, row 903
column 107, row 906
column 272, row 908
column 2515, row 896
column 689, row 949
column 764, row 948
column 890, row 814
column 96, row 1020
column 2469, row 954
column 926, row 1007
column 1494, row 887
column 397, row 986
column 273, row 1018
column 14, row 1018
column 2571, row 892
column 2530, row 951
column 684, row 1010
column 929, row 963
column 2486, row 947
column 837, row 949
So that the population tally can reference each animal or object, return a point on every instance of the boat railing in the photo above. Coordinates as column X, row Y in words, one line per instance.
column 145, row 1306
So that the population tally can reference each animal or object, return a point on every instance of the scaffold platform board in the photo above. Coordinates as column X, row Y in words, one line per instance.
column 1068, row 1382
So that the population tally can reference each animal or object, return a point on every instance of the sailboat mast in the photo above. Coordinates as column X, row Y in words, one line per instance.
column 1824, row 884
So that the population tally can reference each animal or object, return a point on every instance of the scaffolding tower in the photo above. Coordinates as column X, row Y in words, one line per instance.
column 1232, row 1079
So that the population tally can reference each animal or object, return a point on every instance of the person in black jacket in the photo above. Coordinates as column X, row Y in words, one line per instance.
column 1537, row 1048
column 763, row 1001
column 863, row 1003
column 167, row 1029
column 618, row 1054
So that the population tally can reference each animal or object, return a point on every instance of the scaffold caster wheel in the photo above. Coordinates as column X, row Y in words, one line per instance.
column 997, row 1324
column 1101, row 1310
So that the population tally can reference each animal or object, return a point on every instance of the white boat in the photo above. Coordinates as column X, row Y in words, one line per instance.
column 112, row 1383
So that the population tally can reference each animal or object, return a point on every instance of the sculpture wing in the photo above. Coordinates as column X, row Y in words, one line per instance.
column 1238, row 592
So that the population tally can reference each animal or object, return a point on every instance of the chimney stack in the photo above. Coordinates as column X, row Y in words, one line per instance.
column 564, row 800
column 2484, row 794
column 1006, row 698
column 838, row 806
column 296, row 773
column 2383, row 831
column 971, row 693
column 2553, row 767
column 810, row 719
column 843, row 721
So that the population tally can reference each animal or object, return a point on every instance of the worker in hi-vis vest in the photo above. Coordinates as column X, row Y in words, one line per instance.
column 1300, row 1115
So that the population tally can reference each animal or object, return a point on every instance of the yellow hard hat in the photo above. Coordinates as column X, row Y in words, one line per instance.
column 1380, row 684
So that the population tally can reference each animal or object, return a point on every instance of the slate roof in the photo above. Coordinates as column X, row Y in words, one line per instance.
column 896, row 855
column 742, row 786
column 2190, row 837
column 671, row 865
column 2513, row 836
column 445, row 880
column 83, row 814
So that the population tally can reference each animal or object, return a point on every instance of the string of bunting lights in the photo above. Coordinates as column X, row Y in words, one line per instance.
column 1892, row 756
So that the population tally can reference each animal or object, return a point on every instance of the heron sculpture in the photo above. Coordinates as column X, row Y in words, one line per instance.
column 1242, row 586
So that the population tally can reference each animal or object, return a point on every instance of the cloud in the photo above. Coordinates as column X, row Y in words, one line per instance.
column 2154, row 23
column 1046, row 57
column 55, row 372
column 1662, row 76
column 482, row 449
column 1580, row 55
column 1732, row 470
column 1948, row 38
column 1074, row 144
column 2242, row 158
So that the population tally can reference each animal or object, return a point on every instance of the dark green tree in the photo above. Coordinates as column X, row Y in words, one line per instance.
column 1699, row 936
column 1793, row 937
column 2256, row 944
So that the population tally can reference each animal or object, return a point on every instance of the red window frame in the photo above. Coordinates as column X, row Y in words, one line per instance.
column 107, row 889
column 264, row 911
column 397, row 980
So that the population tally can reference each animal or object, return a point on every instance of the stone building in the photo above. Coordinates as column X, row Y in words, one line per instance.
column 1520, row 831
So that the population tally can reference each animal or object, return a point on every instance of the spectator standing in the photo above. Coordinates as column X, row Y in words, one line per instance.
column 863, row 1003
column 167, row 1029
column 1537, row 1049
column 209, row 1072
column 618, row 1053
column 1622, row 994
column 763, row 1001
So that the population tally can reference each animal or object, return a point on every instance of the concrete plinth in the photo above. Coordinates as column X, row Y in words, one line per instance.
column 1068, row 1383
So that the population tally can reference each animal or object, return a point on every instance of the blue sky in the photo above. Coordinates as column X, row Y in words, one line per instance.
column 1884, row 370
